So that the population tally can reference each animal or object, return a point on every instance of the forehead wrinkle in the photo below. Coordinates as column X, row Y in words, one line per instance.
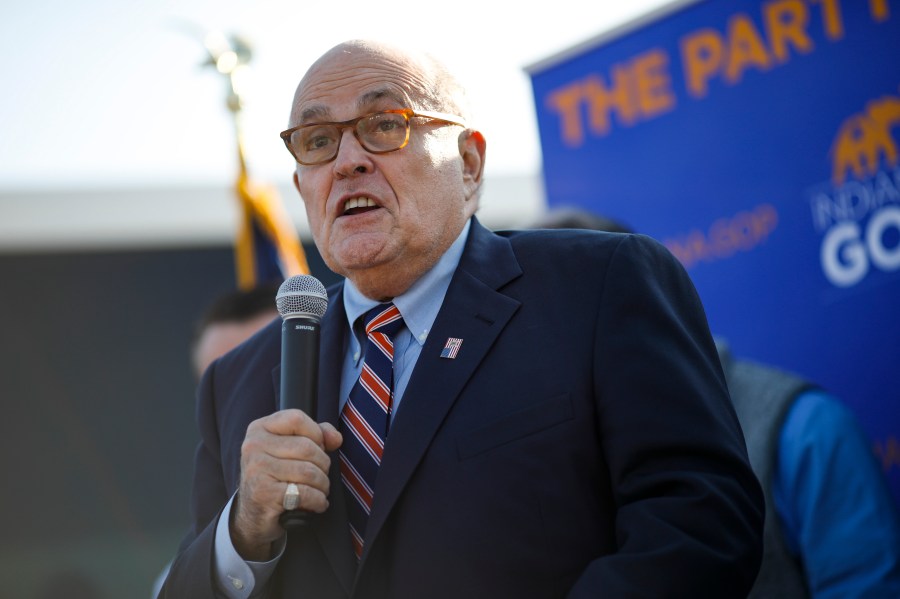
column 401, row 80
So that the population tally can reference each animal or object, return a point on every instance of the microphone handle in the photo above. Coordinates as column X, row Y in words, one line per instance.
column 299, row 385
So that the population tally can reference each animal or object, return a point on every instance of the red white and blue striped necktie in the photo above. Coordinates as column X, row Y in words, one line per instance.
column 366, row 417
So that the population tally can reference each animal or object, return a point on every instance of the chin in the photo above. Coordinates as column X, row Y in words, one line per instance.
column 360, row 254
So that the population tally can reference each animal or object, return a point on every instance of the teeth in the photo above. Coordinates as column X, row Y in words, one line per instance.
column 362, row 202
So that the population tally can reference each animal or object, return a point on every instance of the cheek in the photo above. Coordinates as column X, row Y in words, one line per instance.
column 313, row 201
column 437, row 175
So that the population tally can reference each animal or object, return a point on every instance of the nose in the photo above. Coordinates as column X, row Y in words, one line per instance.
column 351, row 159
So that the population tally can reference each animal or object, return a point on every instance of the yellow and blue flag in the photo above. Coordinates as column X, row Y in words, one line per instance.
column 267, row 248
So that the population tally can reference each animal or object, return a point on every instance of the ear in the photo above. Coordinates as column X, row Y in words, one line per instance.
column 296, row 181
column 472, row 147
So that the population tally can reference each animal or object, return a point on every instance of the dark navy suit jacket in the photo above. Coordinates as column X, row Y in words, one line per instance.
column 581, row 444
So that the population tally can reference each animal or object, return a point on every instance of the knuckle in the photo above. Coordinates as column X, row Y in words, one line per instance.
column 294, row 418
column 249, row 447
column 305, row 472
column 306, row 448
column 313, row 499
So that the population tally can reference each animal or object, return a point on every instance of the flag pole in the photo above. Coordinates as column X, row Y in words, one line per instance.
column 266, row 243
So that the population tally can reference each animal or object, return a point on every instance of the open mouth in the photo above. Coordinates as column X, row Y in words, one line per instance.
column 358, row 206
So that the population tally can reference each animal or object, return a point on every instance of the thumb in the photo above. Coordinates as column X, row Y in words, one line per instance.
column 332, row 438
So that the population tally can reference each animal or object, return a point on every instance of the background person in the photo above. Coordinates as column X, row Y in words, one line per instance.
column 536, row 428
column 230, row 320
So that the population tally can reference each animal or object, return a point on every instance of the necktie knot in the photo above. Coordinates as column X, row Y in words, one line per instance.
column 384, row 319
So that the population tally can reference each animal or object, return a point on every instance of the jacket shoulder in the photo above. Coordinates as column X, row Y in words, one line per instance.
column 582, row 247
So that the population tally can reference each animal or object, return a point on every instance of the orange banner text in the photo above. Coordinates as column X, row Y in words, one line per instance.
column 726, row 236
column 641, row 88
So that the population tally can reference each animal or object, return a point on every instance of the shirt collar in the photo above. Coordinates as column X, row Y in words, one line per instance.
column 420, row 303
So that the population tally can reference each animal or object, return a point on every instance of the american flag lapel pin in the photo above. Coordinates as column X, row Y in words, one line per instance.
column 451, row 348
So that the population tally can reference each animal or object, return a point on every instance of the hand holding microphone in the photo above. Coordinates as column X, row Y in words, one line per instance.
column 274, row 444
column 301, row 301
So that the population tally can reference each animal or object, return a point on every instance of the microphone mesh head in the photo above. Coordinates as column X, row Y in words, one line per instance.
column 302, row 295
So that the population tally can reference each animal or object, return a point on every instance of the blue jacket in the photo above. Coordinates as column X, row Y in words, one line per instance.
column 582, row 443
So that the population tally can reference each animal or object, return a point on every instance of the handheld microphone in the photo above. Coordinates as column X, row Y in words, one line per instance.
column 301, row 301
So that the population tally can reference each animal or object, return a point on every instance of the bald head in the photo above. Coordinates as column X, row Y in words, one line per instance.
column 430, row 85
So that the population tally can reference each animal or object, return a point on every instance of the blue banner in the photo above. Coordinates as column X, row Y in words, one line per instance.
column 759, row 142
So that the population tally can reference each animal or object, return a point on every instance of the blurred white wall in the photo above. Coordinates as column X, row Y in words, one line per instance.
column 33, row 220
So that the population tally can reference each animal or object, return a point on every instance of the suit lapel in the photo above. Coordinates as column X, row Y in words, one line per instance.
column 472, row 311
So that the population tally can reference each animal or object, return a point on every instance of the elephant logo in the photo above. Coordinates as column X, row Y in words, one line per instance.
column 864, row 138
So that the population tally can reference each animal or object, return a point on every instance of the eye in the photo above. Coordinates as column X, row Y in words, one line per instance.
column 320, row 141
column 317, row 138
column 384, row 123
column 387, row 125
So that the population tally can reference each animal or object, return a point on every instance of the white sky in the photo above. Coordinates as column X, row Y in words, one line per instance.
column 110, row 93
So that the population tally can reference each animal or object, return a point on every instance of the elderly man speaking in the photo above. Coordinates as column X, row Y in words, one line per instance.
column 518, row 414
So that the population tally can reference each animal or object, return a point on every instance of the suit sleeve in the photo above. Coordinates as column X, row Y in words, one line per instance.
column 689, row 509
column 192, row 572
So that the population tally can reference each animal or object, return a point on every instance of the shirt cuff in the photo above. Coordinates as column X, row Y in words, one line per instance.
column 235, row 577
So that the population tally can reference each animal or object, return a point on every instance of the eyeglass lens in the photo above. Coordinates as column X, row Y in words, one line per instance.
column 380, row 132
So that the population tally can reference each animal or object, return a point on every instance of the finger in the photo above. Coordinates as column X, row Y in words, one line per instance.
column 302, row 449
column 309, row 499
column 332, row 438
column 306, row 443
column 291, row 423
column 302, row 473
column 258, row 461
column 262, row 494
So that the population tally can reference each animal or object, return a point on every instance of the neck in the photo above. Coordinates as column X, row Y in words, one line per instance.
column 385, row 281
column 383, row 286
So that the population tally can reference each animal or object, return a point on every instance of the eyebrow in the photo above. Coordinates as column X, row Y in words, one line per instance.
column 314, row 113
column 322, row 114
